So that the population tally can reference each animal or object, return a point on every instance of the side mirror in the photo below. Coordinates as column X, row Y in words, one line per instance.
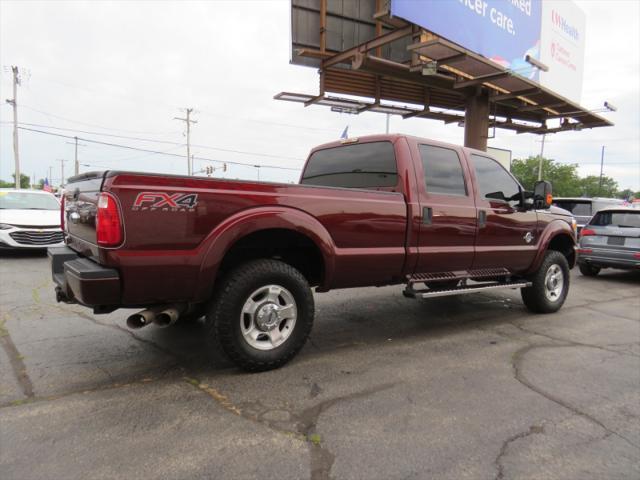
column 542, row 197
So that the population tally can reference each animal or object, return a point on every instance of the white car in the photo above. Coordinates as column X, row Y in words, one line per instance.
column 29, row 219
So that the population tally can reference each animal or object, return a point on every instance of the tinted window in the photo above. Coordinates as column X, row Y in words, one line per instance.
column 366, row 165
column 442, row 170
column 617, row 219
column 492, row 177
column 582, row 209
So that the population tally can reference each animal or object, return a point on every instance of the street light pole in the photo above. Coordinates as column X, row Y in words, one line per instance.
column 541, row 157
column 601, row 168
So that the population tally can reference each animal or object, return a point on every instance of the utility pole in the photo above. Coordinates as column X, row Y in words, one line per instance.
column 541, row 157
column 61, row 171
column 188, row 121
column 601, row 167
column 14, row 103
column 50, row 178
column 76, row 169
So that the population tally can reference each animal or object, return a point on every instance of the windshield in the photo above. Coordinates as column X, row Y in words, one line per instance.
column 27, row 201
column 617, row 219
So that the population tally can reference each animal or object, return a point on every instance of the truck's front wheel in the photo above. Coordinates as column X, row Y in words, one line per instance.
column 261, row 315
column 550, row 284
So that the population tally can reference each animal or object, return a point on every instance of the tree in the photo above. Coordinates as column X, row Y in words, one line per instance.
column 591, row 186
column 627, row 194
column 564, row 178
column 25, row 182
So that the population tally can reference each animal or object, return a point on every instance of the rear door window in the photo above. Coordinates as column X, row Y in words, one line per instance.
column 442, row 170
column 616, row 219
column 366, row 165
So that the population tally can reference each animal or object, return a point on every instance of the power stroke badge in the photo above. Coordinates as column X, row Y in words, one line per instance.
column 165, row 202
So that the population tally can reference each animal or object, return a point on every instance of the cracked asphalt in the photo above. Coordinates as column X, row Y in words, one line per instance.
column 471, row 387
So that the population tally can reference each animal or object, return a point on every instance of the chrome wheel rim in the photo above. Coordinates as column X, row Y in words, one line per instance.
column 268, row 317
column 553, row 283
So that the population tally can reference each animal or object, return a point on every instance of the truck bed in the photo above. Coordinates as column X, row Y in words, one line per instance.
column 362, row 227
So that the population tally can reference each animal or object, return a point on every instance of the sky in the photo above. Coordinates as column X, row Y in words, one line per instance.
column 126, row 69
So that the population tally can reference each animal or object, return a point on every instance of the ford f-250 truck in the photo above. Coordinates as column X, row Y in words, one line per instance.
column 379, row 210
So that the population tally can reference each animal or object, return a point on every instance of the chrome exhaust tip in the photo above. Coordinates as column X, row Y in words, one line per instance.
column 168, row 316
column 141, row 319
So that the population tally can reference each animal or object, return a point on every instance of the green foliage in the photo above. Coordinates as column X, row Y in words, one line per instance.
column 591, row 186
column 25, row 181
column 627, row 194
column 564, row 178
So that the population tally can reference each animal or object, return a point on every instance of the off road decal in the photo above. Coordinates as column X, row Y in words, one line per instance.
column 166, row 202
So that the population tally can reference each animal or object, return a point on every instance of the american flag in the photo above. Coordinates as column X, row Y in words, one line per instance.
column 46, row 187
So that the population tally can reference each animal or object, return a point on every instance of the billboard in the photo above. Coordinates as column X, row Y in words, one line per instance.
column 506, row 31
column 562, row 47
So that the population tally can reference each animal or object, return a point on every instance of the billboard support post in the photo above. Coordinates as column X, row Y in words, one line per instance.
column 476, row 121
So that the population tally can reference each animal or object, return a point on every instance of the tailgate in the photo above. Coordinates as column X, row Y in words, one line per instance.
column 80, row 205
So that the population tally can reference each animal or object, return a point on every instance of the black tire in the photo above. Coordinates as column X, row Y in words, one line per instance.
column 536, row 297
column 224, row 318
column 588, row 270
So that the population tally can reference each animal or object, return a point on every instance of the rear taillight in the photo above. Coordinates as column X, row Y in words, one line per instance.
column 585, row 232
column 108, row 222
column 62, row 211
column 636, row 255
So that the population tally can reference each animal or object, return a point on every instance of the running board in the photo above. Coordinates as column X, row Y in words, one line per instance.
column 408, row 292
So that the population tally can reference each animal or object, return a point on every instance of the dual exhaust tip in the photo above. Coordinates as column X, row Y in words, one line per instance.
column 162, row 316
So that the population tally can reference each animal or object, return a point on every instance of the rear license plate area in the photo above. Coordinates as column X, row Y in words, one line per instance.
column 615, row 241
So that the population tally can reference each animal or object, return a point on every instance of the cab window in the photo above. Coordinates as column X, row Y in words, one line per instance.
column 366, row 165
column 494, row 182
column 442, row 171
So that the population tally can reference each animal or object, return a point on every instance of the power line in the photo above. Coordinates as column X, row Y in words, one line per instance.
column 155, row 151
column 93, row 125
column 166, row 142
column 112, row 135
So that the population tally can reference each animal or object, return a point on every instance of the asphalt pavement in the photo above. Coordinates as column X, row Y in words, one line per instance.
column 468, row 387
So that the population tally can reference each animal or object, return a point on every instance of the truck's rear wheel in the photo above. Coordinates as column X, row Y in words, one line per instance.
column 550, row 284
column 261, row 315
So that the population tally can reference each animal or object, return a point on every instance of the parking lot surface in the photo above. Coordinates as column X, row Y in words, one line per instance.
column 469, row 387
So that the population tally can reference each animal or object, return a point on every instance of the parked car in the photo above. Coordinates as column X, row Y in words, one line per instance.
column 583, row 208
column 29, row 219
column 610, row 239
column 379, row 210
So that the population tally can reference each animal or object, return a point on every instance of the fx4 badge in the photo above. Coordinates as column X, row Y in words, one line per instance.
column 166, row 202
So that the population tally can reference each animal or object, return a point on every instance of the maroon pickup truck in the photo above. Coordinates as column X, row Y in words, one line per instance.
column 379, row 210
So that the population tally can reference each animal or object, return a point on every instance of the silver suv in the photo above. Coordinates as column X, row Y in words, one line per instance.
column 583, row 208
column 610, row 239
